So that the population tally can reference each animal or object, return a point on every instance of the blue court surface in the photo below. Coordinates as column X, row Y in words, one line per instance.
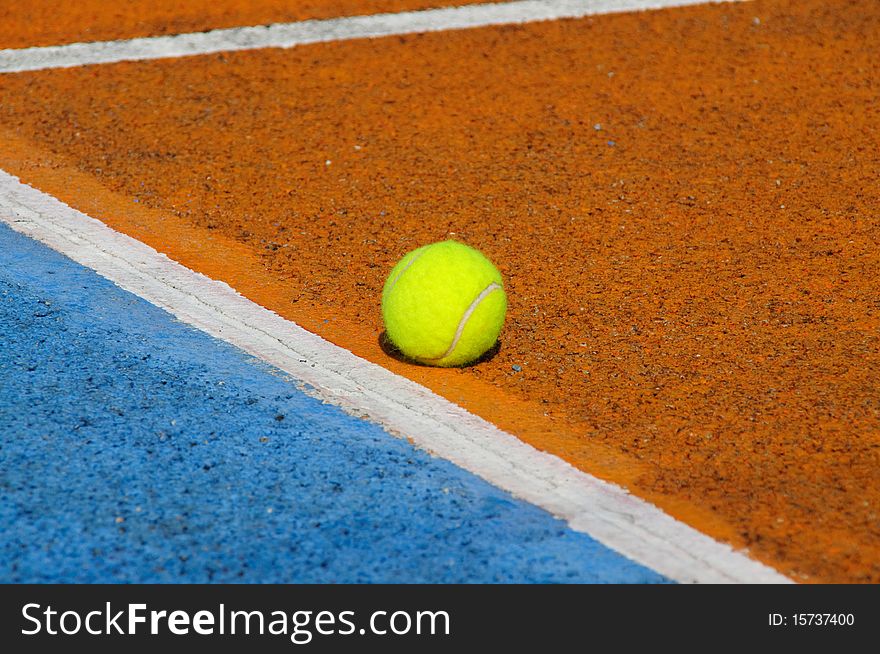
column 134, row 448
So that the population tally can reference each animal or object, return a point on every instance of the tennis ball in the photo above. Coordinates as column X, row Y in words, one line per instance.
column 444, row 304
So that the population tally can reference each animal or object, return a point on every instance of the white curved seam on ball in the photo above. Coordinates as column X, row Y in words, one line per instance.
column 467, row 316
column 405, row 268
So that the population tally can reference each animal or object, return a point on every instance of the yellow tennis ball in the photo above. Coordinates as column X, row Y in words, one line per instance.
column 444, row 304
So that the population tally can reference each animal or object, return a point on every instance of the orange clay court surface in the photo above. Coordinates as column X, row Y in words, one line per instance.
column 684, row 204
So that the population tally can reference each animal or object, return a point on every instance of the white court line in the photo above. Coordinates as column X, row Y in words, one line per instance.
column 605, row 511
column 288, row 35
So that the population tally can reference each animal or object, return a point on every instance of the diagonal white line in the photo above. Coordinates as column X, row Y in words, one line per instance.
column 605, row 511
column 288, row 35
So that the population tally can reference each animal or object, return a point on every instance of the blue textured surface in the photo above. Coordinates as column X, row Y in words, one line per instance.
column 136, row 449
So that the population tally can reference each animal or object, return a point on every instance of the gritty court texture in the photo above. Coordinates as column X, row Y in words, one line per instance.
column 683, row 202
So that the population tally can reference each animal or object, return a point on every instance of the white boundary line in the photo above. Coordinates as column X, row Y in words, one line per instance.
column 288, row 35
column 605, row 511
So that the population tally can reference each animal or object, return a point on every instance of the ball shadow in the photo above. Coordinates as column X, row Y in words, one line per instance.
column 389, row 348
